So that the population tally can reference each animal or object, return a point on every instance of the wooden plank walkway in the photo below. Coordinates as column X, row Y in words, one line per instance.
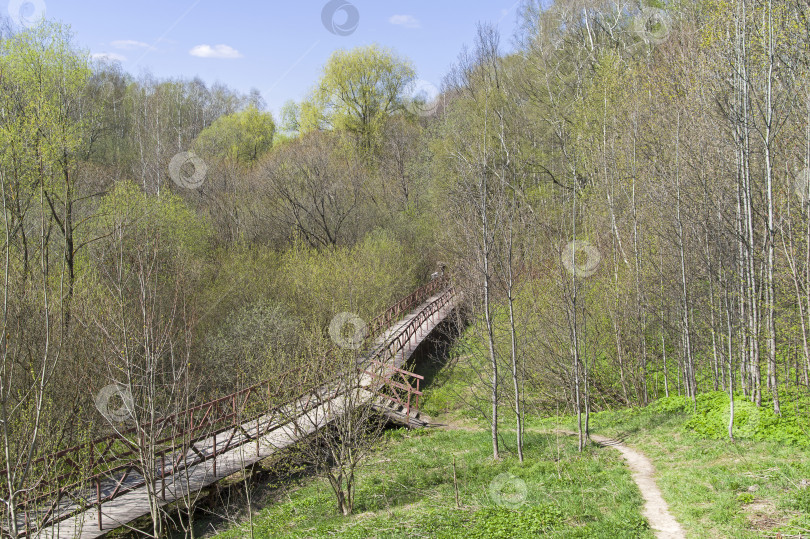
column 134, row 504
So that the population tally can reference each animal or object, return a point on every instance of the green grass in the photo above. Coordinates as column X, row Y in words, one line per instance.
column 450, row 387
column 717, row 488
column 406, row 490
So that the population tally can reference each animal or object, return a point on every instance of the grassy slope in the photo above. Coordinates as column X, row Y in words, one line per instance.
column 715, row 487
column 703, row 476
column 406, row 490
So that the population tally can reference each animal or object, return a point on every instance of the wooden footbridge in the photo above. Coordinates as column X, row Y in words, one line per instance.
column 104, row 484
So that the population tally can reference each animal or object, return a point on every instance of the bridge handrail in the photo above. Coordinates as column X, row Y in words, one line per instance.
column 406, row 304
column 397, row 341
column 178, row 454
column 389, row 315
column 212, row 417
column 395, row 344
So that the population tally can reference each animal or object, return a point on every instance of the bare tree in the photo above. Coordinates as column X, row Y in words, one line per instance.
column 145, row 320
column 335, row 419
column 314, row 189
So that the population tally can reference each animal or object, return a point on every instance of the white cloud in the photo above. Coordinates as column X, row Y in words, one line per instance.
column 130, row 44
column 407, row 21
column 217, row 51
column 108, row 57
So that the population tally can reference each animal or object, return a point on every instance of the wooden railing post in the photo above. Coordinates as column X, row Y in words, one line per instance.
column 163, row 474
column 215, row 455
column 98, row 501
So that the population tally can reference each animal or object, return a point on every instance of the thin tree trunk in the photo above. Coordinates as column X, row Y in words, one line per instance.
column 491, row 345
column 513, row 350
column 771, row 295
column 663, row 336
column 689, row 378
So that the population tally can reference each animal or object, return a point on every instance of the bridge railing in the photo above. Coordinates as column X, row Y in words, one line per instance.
column 397, row 385
column 396, row 343
column 78, row 472
column 406, row 305
column 107, row 467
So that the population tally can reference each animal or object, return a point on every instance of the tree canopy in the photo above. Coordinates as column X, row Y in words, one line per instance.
column 241, row 137
column 359, row 90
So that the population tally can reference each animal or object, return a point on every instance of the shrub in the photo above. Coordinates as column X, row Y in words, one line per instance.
column 254, row 341
column 751, row 422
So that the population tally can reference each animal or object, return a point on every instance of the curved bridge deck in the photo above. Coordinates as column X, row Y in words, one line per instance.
column 125, row 497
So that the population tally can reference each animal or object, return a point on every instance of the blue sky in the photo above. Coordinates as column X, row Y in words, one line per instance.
column 277, row 47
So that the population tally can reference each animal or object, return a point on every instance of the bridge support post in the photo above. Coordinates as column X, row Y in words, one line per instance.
column 215, row 455
column 98, row 501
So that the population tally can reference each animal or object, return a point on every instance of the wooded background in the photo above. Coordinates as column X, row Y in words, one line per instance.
column 624, row 201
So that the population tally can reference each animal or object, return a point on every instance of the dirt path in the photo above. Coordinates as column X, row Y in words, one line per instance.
column 655, row 509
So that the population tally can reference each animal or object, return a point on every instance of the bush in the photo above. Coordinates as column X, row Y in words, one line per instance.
column 672, row 404
column 364, row 279
column 751, row 422
column 254, row 342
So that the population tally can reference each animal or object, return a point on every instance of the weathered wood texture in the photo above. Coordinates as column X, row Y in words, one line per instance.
column 257, row 440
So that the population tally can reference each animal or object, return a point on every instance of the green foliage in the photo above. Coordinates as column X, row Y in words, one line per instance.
column 242, row 137
column 752, row 422
column 239, row 276
column 452, row 390
column 710, row 421
column 745, row 498
column 496, row 522
column 256, row 341
column 705, row 479
column 363, row 279
column 800, row 500
column 674, row 403
column 358, row 91
column 393, row 501
column 43, row 79
column 166, row 221
column 290, row 119
column 309, row 117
